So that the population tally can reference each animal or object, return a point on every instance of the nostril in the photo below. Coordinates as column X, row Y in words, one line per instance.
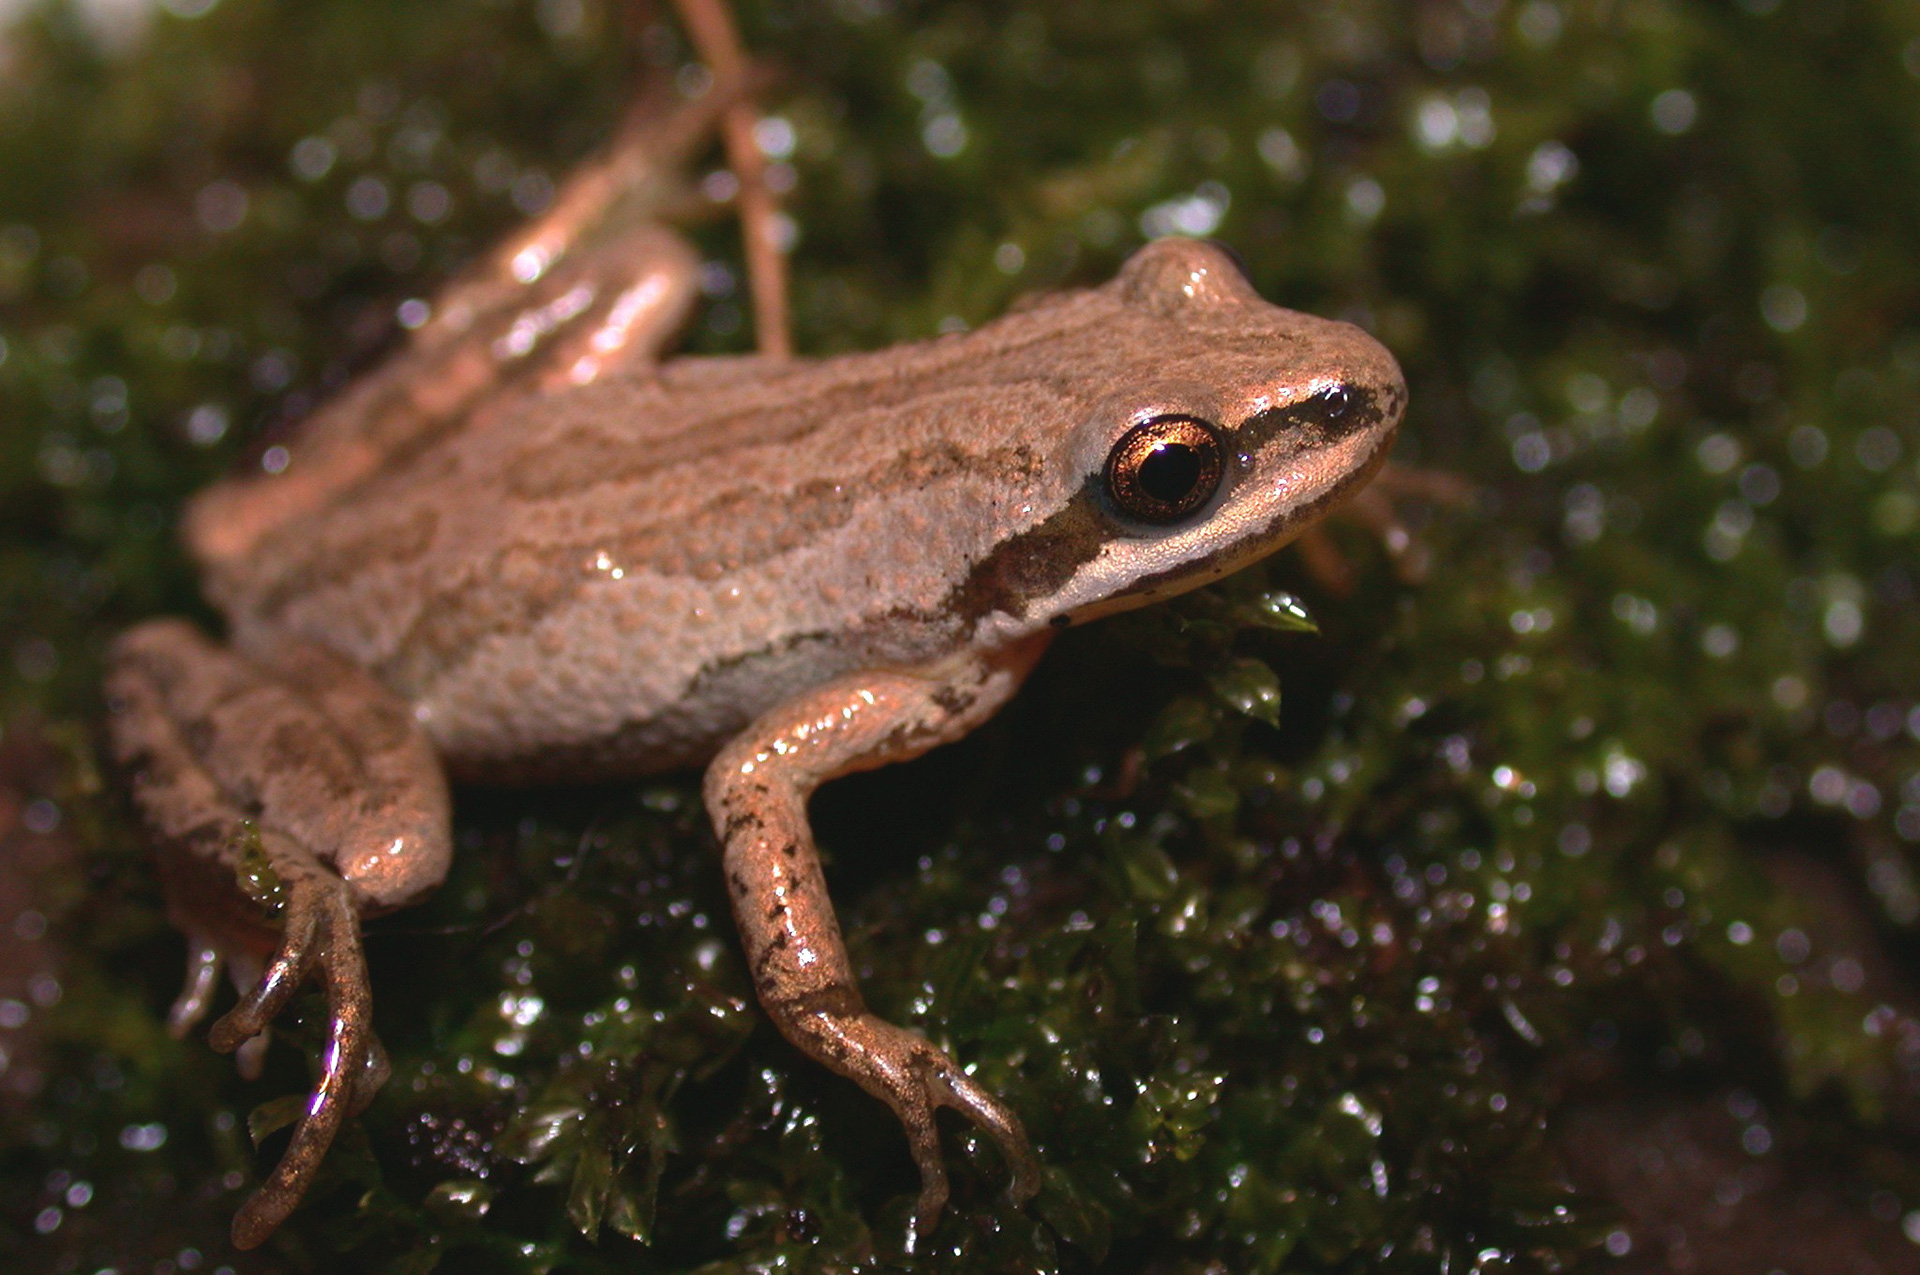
column 1335, row 404
column 1339, row 410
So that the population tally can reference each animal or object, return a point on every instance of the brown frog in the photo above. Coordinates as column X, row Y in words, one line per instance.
column 527, row 549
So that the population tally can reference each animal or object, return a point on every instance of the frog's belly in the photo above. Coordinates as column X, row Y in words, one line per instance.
column 596, row 712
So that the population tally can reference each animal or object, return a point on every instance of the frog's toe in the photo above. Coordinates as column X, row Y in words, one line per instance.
column 322, row 938
column 922, row 1078
column 917, row 1117
column 204, row 964
column 914, row 1077
column 956, row 1089
column 375, row 1069
column 250, row 1058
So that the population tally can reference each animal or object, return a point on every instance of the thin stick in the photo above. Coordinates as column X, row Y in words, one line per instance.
column 710, row 23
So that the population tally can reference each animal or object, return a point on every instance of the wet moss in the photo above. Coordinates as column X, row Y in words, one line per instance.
column 1296, row 951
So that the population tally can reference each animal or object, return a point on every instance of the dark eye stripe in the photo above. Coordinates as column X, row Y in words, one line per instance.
column 1328, row 416
column 1164, row 469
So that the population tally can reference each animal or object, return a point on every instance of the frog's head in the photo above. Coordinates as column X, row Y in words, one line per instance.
column 1239, row 425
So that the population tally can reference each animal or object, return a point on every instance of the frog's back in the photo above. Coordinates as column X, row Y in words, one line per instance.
column 616, row 578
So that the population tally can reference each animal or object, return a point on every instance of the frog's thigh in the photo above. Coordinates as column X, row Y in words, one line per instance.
column 634, row 292
column 637, row 178
column 756, row 793
column 286, row 798
column 596, row 278
column 602, row 244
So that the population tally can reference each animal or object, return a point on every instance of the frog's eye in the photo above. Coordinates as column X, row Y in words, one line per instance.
column 1164, row 469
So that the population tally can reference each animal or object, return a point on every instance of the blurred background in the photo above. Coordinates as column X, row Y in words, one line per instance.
column 1552, row 908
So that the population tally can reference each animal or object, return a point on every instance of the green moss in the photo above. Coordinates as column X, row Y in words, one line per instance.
column 1620, row 801
column 254, row 874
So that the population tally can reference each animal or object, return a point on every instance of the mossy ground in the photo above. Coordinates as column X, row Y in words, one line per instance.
column 1615, row 812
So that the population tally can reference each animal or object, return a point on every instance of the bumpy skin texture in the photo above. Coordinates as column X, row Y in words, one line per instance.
column 524, row 550
column 619, row 578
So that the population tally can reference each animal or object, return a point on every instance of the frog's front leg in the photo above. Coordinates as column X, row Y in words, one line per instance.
column 288, row 795
column 756, row 793
column 1376, row 508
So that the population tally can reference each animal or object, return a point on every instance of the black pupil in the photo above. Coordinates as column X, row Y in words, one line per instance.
column 1170, row 473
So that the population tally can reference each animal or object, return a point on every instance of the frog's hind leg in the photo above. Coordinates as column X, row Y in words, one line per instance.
column 711, row 25
column 285, row 798
column 598, row 272
column 756, row 793
column 644, row 283
column 618, row 305
column 596, row 282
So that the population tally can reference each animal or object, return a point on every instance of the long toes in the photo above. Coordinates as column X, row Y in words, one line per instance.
column 250, row 1059
column 276, row 987
column 260, row 1006
column 375, row 1070
column 280, row 1194
column 203, row 975
column 913, row 1077
column 933, row 1174
column 954, row 1088
column 347, row 1062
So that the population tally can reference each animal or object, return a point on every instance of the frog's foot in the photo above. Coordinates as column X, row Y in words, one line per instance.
column 321, row 939
column 1376, row 507
column 286, row 793
column 908, row 1073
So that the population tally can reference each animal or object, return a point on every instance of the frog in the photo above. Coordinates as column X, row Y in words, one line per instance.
column 531, row 547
